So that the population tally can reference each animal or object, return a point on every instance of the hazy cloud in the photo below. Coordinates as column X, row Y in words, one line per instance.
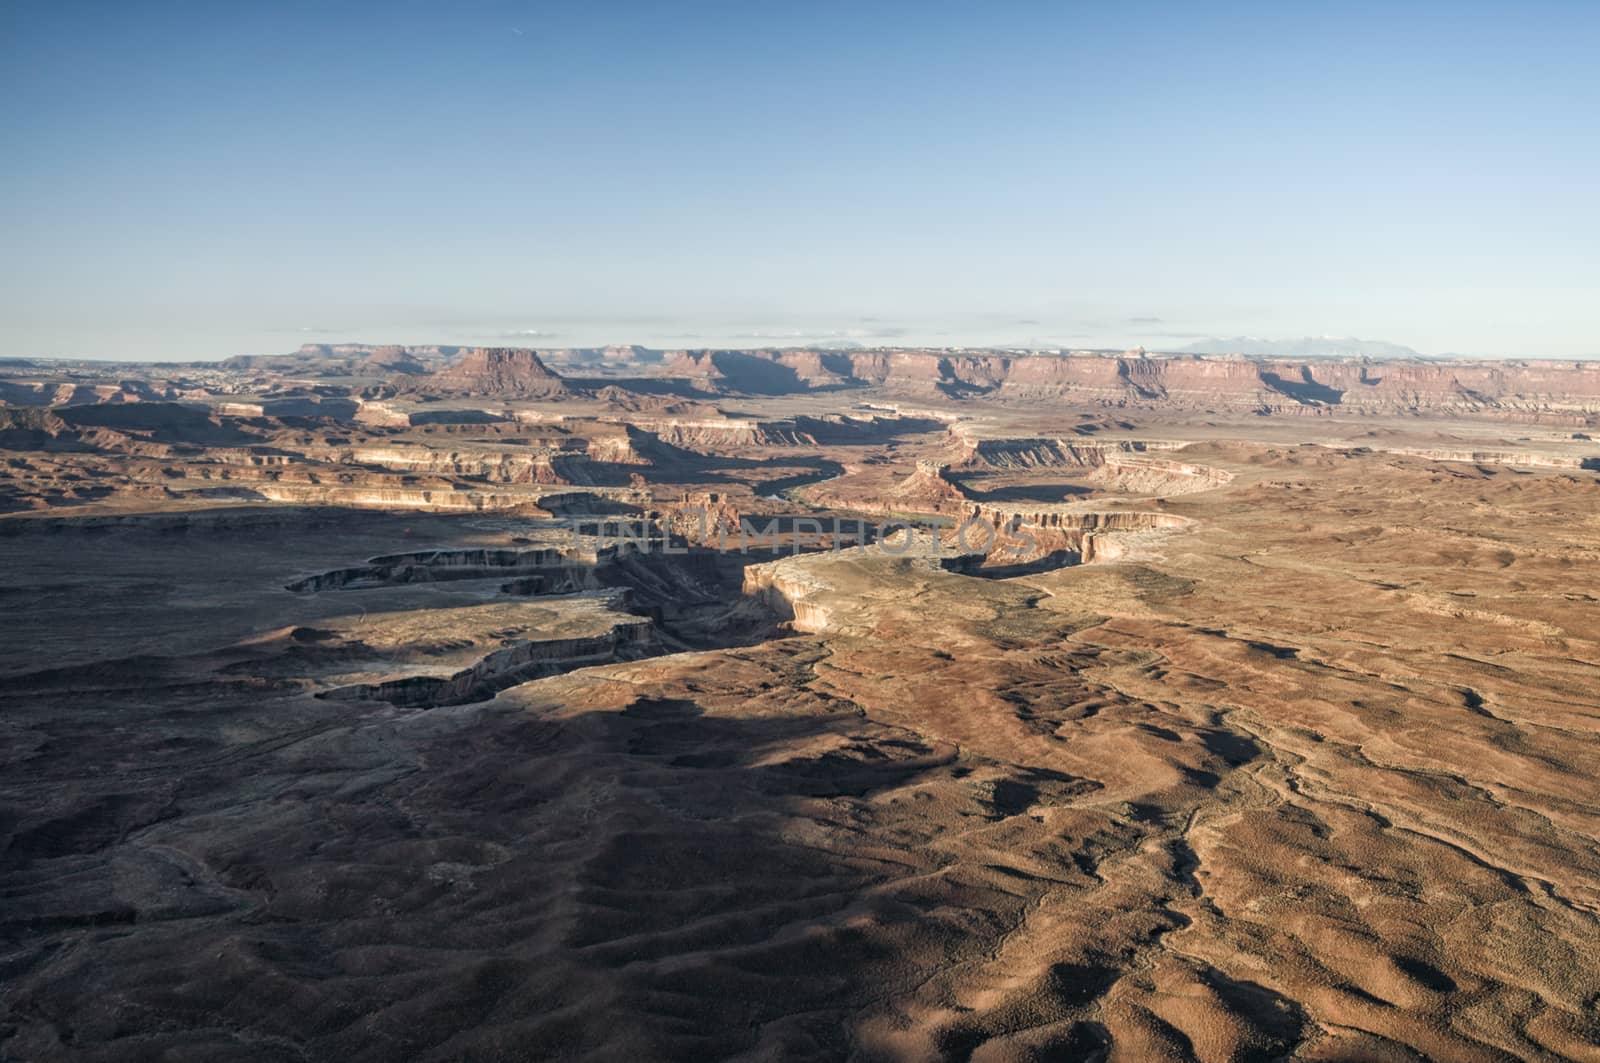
column 882, row 332
column 529, row 334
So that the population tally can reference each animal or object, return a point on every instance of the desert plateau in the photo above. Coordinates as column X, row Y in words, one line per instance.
column 379, row 703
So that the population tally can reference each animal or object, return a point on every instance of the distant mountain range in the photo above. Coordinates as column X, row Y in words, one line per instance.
column 1306, row 347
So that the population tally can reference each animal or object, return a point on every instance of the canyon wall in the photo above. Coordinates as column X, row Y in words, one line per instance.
column 1111, row 463
column 788, row 588
column 1306, row 386
column 517, row 663
column 1534, row 391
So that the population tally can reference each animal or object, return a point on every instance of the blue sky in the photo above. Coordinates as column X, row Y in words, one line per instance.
column 199, row 180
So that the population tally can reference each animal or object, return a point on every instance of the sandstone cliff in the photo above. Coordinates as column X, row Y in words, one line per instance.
column 1551, row 391
column 491, row 371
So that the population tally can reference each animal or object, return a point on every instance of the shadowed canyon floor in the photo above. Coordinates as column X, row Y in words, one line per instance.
column 1271, row 743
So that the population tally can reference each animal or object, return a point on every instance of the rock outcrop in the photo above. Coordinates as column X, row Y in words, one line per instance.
column 507, row 372
column 517, row 663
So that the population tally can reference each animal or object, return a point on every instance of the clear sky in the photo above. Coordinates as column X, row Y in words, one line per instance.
column 194, row 180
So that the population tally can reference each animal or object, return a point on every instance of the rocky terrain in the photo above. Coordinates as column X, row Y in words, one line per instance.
column 1535, row 392
column 381, row 702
